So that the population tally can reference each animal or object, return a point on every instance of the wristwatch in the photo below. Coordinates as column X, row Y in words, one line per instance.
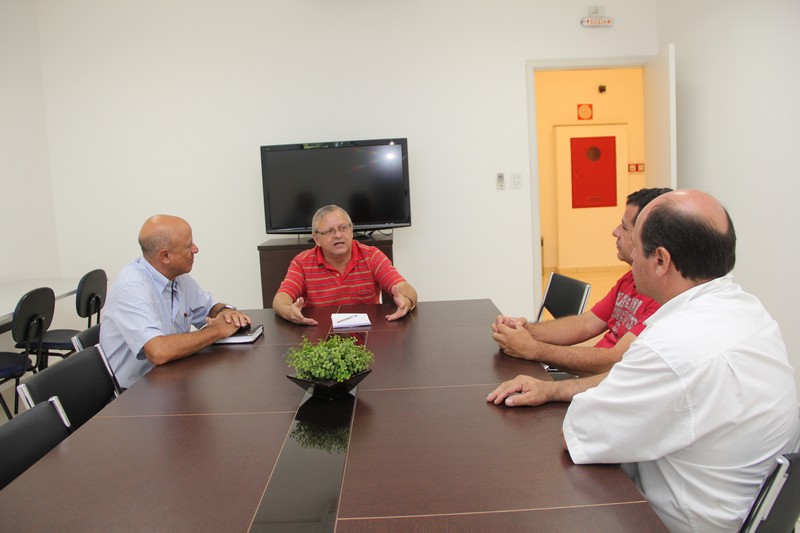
column 226, row 306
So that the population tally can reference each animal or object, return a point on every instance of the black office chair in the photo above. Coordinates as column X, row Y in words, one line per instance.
column 31, row 318
column 88, row 337
column 777, row 506
column 89, row 300
column 29, row 436
column 83, row 382
column 564, row 296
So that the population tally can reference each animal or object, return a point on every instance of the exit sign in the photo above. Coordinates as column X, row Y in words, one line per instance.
column 596, row 22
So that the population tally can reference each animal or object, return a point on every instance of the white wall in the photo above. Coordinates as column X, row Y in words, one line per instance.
column 29, row 240
column 160, row 106
column 738, row 78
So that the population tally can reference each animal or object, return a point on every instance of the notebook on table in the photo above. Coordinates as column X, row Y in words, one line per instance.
column 244, row 335
column 349, row 320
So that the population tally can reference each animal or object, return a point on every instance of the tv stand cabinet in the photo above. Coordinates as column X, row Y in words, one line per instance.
column 276, row 254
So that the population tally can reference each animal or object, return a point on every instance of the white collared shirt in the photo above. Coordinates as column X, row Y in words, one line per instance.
column 702, row 402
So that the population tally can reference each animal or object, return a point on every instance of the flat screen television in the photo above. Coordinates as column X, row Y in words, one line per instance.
column 369, row 179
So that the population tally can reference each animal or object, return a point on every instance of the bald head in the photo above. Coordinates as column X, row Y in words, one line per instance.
column 167, row 244
column 698, row 205
column 160, row 231
column 694, row 228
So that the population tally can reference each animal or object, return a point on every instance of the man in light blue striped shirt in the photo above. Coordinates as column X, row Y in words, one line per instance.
column 154, row 302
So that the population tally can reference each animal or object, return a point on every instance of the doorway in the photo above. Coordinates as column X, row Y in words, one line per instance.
column 580, row 237
column 658, row 122
column 660, row 125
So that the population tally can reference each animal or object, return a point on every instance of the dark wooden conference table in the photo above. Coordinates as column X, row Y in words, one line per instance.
column 208, row 444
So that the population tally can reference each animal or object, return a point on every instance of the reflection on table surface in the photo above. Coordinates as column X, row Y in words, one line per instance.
column 304, row 486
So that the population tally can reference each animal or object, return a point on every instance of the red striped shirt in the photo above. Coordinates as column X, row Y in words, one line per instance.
column 368, row 271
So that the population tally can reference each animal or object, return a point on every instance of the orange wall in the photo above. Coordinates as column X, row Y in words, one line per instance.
column 558, row 93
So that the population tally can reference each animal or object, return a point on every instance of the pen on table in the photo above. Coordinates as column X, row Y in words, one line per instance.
column 346, row 319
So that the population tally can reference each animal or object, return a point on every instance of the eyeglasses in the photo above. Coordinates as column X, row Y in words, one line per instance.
column 328, row 233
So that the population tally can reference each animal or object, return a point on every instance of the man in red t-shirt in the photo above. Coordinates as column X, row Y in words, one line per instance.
column 339, row 271
column 620, row 314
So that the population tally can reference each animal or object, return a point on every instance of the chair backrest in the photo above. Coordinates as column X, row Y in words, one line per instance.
column 83, row 382
column 33, row 314
column 29, row 436
column 91, row 294
column 777, row 506
column 88, row 337
column 564, row 296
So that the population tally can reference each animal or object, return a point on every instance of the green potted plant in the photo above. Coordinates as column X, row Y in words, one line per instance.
column 331, row 367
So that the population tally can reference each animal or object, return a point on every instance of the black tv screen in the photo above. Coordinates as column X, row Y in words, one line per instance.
column 369, row 179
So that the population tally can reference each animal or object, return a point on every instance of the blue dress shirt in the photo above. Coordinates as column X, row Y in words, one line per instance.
column 143, row 304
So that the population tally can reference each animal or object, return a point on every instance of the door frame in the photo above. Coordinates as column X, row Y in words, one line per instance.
column 663, row 61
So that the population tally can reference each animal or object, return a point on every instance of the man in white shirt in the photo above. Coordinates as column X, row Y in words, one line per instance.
column 704, row 399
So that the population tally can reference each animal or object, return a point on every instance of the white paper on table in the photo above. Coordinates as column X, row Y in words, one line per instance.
column 349, row 320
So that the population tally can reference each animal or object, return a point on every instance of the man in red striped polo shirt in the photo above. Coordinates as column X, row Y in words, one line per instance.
column 339, row 271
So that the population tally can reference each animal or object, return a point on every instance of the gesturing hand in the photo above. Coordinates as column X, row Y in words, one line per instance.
column 296, row 313
column 403, row 304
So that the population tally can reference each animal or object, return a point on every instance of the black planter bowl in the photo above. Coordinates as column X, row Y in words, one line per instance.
column 324, row 415
column 328, row 389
